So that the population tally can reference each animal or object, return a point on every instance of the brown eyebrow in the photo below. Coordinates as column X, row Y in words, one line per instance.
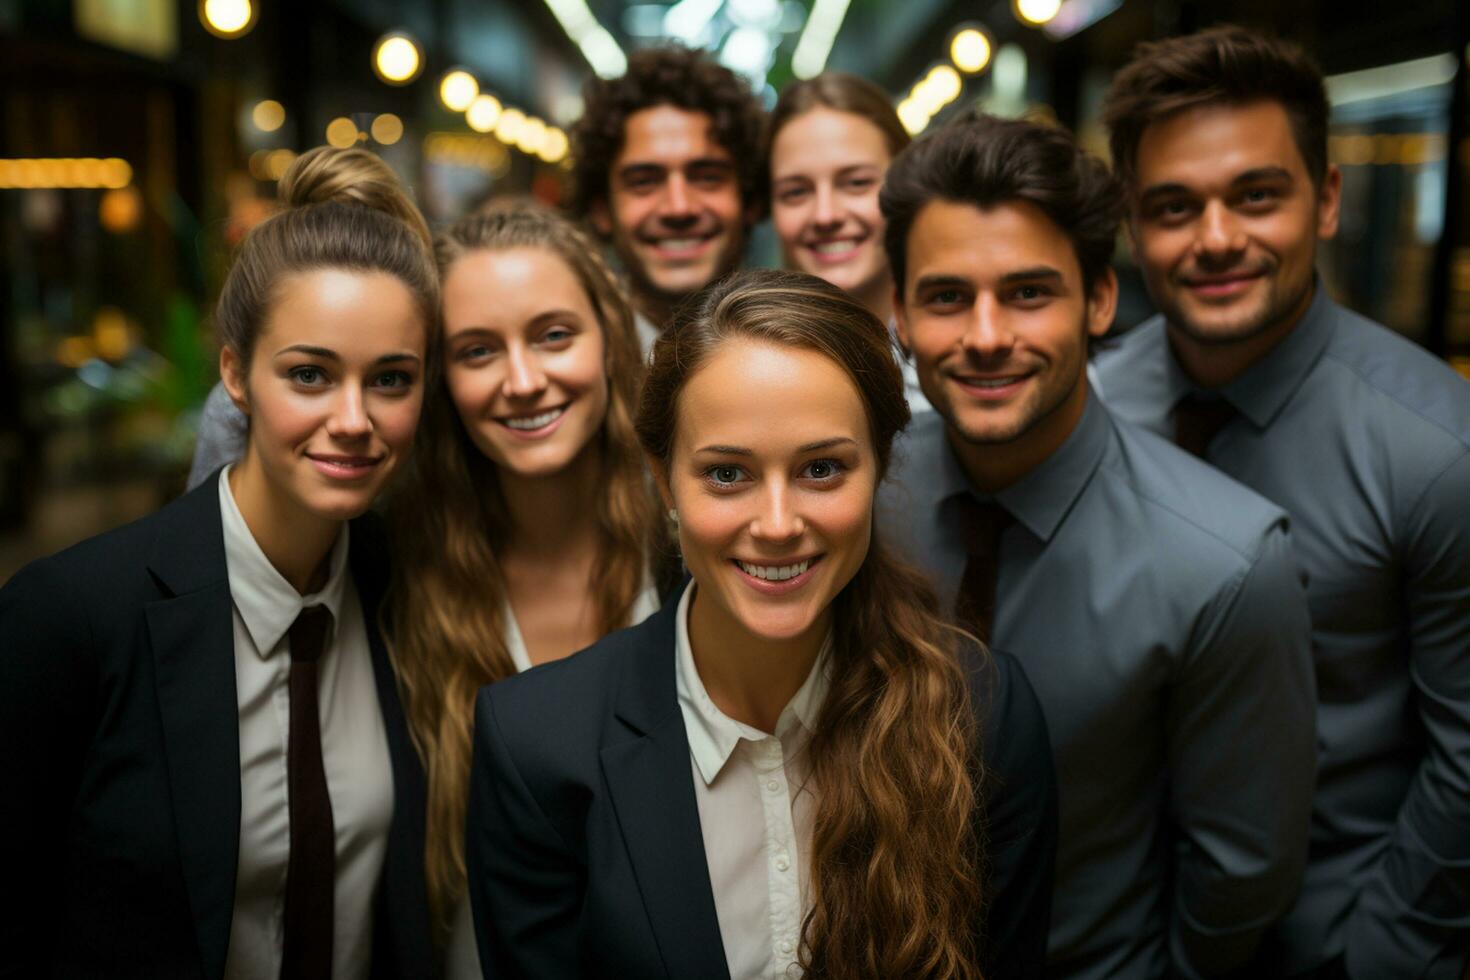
column 929, row 282
column 327, row 354
column 1248, row 177
column 810, row 447
column 536, row 321
column 1035, row 272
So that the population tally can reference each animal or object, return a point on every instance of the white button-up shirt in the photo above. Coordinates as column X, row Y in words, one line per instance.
column 755, row 813
column 354, row 754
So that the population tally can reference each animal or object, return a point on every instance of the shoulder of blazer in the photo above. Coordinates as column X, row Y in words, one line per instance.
column 612, row 691
column 175, row 550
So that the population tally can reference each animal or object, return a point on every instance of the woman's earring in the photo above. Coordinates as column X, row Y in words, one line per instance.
column 674, row 516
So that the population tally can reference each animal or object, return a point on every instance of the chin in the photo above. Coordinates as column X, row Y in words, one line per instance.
column 341, row 504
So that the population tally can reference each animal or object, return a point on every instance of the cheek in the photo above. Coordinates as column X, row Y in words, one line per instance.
column 396, row 419
column 845, row 516
column 283, row 417
column 469, row 390
column 788, row 222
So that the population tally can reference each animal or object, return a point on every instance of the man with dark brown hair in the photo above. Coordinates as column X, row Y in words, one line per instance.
column 1362, row 437
column 1154, row 603
column 667, row 169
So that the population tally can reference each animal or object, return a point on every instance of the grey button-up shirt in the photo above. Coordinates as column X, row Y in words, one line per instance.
column 1364, row 438
column 1161, row 618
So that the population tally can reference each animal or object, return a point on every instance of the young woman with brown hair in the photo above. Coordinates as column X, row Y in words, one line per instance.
column 828, row 144
column 797, row 767
column 209, row 773
column 529, row 528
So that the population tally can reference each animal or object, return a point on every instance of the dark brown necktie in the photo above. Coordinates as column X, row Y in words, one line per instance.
column 1198, row 419
column 311, row 874
column 981, row 525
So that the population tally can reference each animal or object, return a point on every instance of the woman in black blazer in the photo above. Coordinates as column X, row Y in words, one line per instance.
column 145, row 828
column 796, row 768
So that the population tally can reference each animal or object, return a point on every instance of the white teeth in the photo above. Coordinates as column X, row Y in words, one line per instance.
column 834, row 248
column 535, row 421
column 680, row 242
column 775, row 573
column 992, row 382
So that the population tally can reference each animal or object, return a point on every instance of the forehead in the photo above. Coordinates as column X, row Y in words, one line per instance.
column 668, row 135
column 360, row 315
column 769, row 398
column 484, row 287
column 1214, row 143
column 824, row 139
column 949, row 238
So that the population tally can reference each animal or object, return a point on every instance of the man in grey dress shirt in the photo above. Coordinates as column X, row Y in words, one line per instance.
column 1360, row 435
column 1154, row 603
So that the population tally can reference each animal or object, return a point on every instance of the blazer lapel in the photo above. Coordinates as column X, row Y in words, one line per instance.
column 402, row 907
column 193, row 642
column 652, row 789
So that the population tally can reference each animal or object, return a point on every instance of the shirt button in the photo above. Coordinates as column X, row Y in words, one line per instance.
column 782, row 864
column 786, row 947
column 772, row 785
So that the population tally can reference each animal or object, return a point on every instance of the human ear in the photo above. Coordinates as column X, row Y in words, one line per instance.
column 1102, row 304
column 901, row 321
column 600, row 217
column 232, row 371
column 1329, row 202
column 661, row 481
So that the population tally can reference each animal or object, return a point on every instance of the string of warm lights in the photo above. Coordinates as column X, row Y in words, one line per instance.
column 81, row 173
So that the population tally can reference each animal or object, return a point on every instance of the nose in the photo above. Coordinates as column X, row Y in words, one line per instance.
column 1219, row 232
column 349, row 419
column 988, row 334
column 778, row 520
column 524, row 377
column 827, row 214
column 678, row 200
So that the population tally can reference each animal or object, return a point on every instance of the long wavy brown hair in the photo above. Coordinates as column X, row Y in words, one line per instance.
column 895, row 759
column 450, row 523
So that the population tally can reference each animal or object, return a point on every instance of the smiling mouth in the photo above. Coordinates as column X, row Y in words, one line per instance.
column 837, row 249
column 682, row 247
column 530, row 423
column 776, row 573
column 344, row 467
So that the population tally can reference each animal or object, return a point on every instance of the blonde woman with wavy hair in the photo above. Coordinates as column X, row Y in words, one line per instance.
column 528, row 528
column 797, row 768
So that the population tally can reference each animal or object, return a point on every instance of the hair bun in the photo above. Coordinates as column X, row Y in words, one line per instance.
column 351, row 176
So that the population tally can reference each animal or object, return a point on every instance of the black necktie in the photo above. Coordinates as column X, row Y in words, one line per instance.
column 981, row 525
column 1197, row 419
column 311, row 875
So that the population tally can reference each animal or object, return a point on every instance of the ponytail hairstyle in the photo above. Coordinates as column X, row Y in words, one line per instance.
column 895, row 862
column 342, row 209
column 450, row 523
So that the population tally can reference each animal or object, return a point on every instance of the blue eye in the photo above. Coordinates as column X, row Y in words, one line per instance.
column 473, row 352
column 308, row 375
column 724, row 475
column 824, row 469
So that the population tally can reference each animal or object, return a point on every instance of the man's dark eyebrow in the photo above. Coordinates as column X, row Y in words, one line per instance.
column 1249, row 177
column 928, row 282
column 1035, row 272
column 641, row 170
column 812, row 447
column 1263, row 173
column 725, row 450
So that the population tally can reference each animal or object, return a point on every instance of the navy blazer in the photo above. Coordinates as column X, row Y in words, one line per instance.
column 585, row 852
column 120, row 766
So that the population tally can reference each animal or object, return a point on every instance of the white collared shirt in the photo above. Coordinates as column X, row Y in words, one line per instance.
column 354, row 754
column 755, row 813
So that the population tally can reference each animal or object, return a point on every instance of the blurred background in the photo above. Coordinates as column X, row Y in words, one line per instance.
column 140, row 139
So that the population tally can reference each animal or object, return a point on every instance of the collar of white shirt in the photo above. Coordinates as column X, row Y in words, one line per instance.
column 267, row 603
column 713, row 735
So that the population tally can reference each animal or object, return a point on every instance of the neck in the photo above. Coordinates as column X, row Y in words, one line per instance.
column 549, row 516
column 750, row 678
column 877, row 296
column 995, row 466
column 657, row 307
column 296, row 543
column 1213, row 365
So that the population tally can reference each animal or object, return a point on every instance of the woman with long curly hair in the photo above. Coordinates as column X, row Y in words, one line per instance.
column 528, row 527
column 797, row 768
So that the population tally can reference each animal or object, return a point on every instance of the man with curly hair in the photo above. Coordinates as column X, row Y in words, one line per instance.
column 667, row 169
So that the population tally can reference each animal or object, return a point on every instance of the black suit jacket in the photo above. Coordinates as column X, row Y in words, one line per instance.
column 585, row 852
column 120, row 758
